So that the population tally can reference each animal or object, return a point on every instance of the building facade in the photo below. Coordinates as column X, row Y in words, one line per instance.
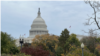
column 38, row 27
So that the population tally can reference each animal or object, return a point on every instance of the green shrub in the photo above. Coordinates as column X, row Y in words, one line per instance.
column 19, row 54
column 14, row 50
column 22, row 54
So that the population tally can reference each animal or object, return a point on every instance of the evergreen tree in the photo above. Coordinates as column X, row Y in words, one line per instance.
column 72, row 41
column 63, row 38
column 59, row 51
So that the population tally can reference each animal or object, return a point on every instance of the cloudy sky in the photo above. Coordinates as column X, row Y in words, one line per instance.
column 17, row 16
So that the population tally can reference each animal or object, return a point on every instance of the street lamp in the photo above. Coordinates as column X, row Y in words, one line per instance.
column 21, row 41
column 82, row 46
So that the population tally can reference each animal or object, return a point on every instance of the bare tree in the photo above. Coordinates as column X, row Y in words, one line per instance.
column 90, row 41
column 92, row 33
column 95, row 5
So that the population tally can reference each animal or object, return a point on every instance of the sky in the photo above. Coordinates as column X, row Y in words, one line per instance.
column 17, row 16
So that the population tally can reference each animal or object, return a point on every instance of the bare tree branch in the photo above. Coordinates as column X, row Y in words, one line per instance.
column 98, row 17
column 87, row 23
column 96, row 7
column 85, row 31
column 91, row 32
column 96, row 29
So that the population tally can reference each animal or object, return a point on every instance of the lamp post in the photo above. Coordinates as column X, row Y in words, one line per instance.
column 82, row 46
column 21, row 41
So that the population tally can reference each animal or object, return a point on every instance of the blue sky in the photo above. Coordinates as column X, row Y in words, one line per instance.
column 17, row 16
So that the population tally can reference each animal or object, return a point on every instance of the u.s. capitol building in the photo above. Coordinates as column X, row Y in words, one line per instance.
column 38, row 27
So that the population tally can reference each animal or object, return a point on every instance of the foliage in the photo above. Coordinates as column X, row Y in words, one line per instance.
column 72, row 41
column 93, row 44
column 22, row 54
column 40, row 44
column 63, row 38
column 59, row 51
column 89, row 42
column 78, row 52
column 37, row 51
column 56, row 46
column 97, row 50
column 62, row 55
column 48, row 41
column 52, row 54
column 7, row 42
column 19, row 54
column 98, row 40
column 26, row 45
column 14, row 50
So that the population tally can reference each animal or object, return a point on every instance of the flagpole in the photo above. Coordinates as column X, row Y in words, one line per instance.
column 24, row 35
column 70, row 29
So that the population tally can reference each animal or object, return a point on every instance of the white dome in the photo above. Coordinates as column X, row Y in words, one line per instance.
column 38, row 23
column 38, row 19
column 38, row 26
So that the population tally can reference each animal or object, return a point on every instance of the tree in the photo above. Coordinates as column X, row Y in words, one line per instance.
column 59, row 51
column 97, row 50
column 92, row 33
column 26, row 45
column 35, row 51
column 7, row 42
column 89, row 43
column 95, row 5
column 63, row 38
column 92, row 40
column 98, row 40
column 14, row 50
column 72, row 41
column 78, row 52
column 49, row 41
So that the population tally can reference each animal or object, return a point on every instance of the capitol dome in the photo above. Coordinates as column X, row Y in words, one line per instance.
column 38, row 26
column 38, row 20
